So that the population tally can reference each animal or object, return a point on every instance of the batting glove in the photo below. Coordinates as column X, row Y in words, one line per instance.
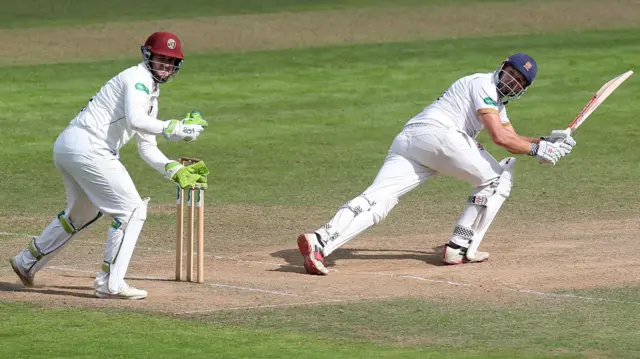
column 561, row 138
column 547, row 152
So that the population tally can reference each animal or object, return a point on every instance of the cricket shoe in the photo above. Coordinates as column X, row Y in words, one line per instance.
column 26, row 279
column 456, row 254
column 311, row 251
column 128, row 292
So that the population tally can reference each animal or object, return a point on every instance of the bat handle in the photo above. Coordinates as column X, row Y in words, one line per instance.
column 559, row 141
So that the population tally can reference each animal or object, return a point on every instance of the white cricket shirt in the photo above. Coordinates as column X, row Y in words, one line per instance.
column 460, row 105
column 126, row 106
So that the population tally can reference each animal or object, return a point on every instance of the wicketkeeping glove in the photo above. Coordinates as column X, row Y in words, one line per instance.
column 194, row 175
column 195, row 118
column 188, row 128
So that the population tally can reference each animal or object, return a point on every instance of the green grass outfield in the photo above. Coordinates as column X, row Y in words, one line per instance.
column 36, row 13
column 310, row 127
column 560, row 328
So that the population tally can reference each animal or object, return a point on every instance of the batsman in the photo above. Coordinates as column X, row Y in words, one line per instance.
column 442, row 140
column 86, row 154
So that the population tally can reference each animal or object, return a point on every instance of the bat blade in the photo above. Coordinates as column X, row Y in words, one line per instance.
column 598, row 98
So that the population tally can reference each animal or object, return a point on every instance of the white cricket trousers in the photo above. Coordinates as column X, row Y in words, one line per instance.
column 418, row 153
column 95, row 180
column 96, row 184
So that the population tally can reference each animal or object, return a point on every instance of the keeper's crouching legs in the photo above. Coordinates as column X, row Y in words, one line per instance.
column 42, row 249
column 482, row 207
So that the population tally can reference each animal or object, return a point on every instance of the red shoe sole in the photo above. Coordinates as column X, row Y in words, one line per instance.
column 306, row 250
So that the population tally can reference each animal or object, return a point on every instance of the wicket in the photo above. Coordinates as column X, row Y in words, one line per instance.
column 195, row 199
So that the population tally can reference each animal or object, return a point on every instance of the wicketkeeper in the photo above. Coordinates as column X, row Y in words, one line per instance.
column 441, row 140
column 86, row 154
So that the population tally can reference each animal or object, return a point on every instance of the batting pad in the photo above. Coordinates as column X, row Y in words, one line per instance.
column 492, row 207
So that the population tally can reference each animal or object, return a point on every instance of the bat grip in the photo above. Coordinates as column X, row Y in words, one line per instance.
column 559, row 141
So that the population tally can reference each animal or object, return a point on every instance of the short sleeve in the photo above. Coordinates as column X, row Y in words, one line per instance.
column 484, row 96
column 503, row 116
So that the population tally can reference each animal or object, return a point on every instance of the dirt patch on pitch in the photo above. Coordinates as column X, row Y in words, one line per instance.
column 256, row 265
column 289, row 30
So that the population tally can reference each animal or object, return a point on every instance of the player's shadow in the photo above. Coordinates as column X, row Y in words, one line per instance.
column 71, row 291
column 132, row 277
column 295, row 263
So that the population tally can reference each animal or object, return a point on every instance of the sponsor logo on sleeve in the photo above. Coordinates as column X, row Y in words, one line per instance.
column 490, row 101
column 140, row 86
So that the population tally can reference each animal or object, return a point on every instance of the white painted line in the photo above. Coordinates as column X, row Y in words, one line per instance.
column 68, row 269
column 255, row 290
column 435, row 281
column 521, row 291
column 16, row 234
column 164, row 251
column 218, row 285
column 212, row 256
column 422, row 279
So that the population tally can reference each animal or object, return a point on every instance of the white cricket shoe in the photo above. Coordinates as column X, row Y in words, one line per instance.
column 127, row 292
column 25, row 278
column 455, row 254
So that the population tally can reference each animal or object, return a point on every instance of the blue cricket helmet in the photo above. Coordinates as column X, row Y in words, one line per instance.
column 525, row 64
column 504, row 82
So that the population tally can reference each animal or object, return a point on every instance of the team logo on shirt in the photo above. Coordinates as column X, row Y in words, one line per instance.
column 171, row 43
column 140, row 86
column 489, row 101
